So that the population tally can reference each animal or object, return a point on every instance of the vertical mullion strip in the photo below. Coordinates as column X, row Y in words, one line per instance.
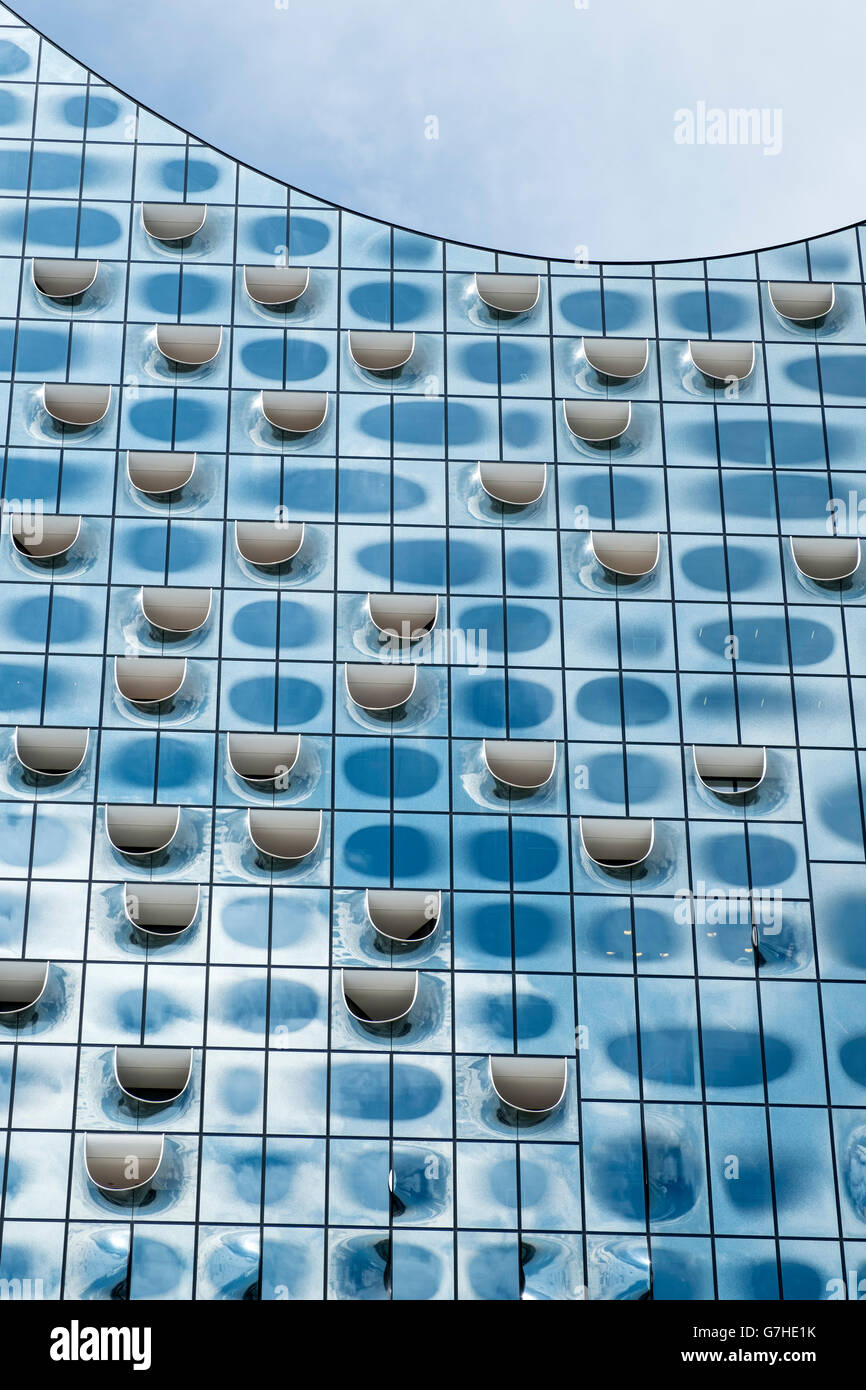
column 819, row 996
column 566, row 762
column 767, row 1108
column 448, row 652
column 4, row 1167
column 216, row 751
column 97, row 755
column 334, row 687
column 696, row 974
column 844, row 622
column 392, row 750
column 723, row 513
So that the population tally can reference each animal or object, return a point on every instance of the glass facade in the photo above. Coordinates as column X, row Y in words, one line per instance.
column 619, row 777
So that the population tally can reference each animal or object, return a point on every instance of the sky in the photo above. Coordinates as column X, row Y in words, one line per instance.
column 603, row 130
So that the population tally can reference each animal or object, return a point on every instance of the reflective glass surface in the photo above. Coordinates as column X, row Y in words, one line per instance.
column 707, row 998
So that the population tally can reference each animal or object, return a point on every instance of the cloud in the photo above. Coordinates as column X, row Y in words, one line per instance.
column 555, row 124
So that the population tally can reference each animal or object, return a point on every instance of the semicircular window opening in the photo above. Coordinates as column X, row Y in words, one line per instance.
column 43, row 535
column 275, row 285
column 402, row 914
column 407, row 616
column 826, row 558
column 533, row 1085
column 22, row 984
column 149, row 680
column 379, row 996
column 70, row 404
column 617, row 842
column 597, row 422
column 380, row 686
column 51, row 752
column 268, row 543
column 157, row 472
column 617, row 358
column 288, row 835
column 173, row 221
column 629, row 554
column 730, row 769
column 141, row 830
column 803, row 301
column 378, row 351
column 153, row 1075
column 262, row 758
column 525, row 764
column 161, row 909
column 295, row 412
column 508, row 294
column 174, row 610
column 125, row 1161
column 189, row 344
column 721, row 361
column 63, row 278
column 515, row 484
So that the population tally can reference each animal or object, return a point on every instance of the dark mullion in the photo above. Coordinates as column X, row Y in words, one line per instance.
column 696, row 973
column 96, row 752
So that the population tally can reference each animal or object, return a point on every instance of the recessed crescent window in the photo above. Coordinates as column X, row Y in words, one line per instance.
column 380, row 685
column 285, row 834
column 156, row 472
column 619, row 358
column 268, row 542
column 403, row 914
column 154, row 1075
column 161, row 909
column 63, row 279
column 51, row 752
column 174, row 609
column 617, row 843
column 173, row 221
column 275, row 284
column 140, row 830
column 534, row 1085
column 379, row 996
column 123, row 1162
column 22, row 984
column 517, row 484
column 730, row 769
column 802, row 301
column 629, row 553
column 826, row 558
column 147, row 680
column 523, row 763
column 262, row 757
column 76, row 405
column 722, row 361
column 378, row 351
column 43, row 535
column 404, row 615
column 190, row 344
column 597, row 421
column 508, row 294
column 296, row 412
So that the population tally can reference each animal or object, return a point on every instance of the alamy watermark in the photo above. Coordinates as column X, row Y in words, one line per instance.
column 77, row 1343
column 846, row 516
column 716, row 907
column 27, row 514
column 458, row 646
column 21, row 1290
column 736, row 125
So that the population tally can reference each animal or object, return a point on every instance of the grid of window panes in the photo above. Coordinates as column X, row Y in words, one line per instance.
column 711, row 1140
